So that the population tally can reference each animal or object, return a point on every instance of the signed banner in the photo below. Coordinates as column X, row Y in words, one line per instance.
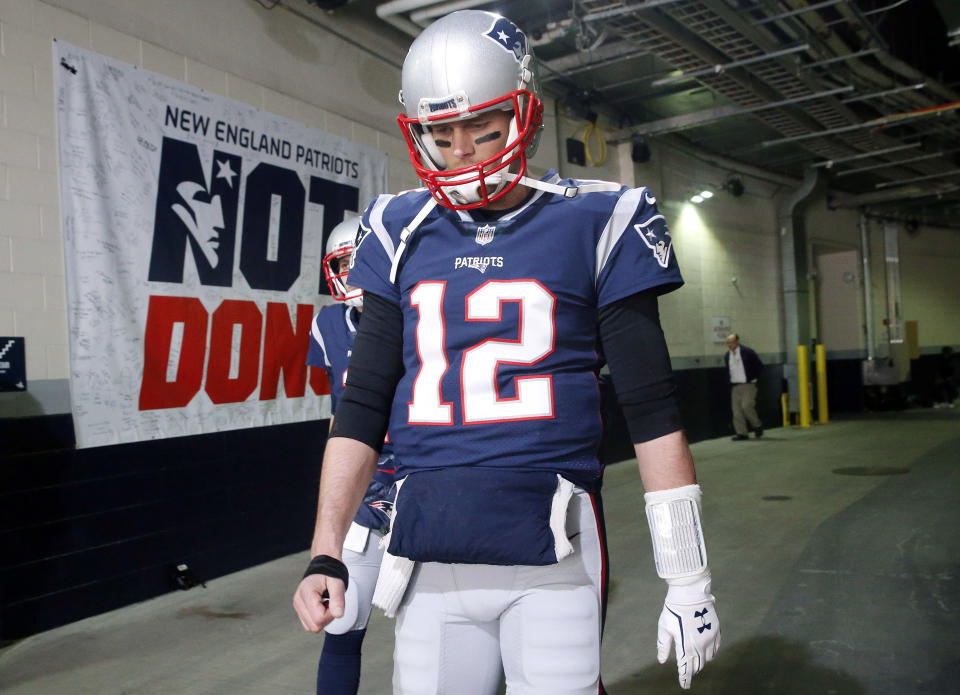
column 193, row 229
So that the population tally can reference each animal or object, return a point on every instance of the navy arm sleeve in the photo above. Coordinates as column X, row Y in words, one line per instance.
column 376, row 366
column 636, row 351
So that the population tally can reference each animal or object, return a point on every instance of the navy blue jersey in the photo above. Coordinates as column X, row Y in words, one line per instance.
column 332, row 334
column 500, row 342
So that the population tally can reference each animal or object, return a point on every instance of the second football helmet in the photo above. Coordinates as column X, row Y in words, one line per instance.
column 464, row 64
column 340, row 245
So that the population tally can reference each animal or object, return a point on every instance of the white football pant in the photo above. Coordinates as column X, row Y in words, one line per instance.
column 460, row 625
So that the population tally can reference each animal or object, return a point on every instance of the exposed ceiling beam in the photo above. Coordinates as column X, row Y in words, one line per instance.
column 722, row 67
column 916, row 179
column 802, row 10
column 863, row 155
column 625, row 9
column 888, row 165
column 909, row 192
column 892, row 119
column 621, row 50
column 696, row 45
column 698, row 118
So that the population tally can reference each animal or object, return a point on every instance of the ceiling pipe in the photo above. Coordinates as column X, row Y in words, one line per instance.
column 795, row 287
column 867, row 281
column 839, row 59
column 390, row 11
column 425, row 16
column 884, row 93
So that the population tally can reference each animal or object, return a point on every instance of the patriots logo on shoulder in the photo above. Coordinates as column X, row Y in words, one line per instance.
column 656, row 236
column 362, row 233
column 509, row 37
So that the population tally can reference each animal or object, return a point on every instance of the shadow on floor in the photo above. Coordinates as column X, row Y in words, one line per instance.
column 766, row 664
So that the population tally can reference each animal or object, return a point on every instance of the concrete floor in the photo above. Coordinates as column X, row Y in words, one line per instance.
column 828, row 581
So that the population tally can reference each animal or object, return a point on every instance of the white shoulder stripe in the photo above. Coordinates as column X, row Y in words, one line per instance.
column 596, row 186
column 315, row 331
column 351, row 327
column 376, row 223
column 616, row 226
column 655, row 217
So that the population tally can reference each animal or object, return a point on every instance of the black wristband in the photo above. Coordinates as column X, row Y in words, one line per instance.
column 330, row 567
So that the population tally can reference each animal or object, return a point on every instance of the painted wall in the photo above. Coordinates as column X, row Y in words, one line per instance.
column 929, row 277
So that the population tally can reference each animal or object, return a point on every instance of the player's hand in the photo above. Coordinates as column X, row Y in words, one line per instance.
column 318, row 600
column 689, row 621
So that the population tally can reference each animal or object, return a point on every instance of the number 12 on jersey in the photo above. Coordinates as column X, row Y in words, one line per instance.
column 480, row 400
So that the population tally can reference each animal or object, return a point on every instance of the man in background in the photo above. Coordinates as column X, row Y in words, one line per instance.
column 743, row 370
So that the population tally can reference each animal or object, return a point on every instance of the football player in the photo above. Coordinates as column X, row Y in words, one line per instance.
column 332, row 335
column 488, row 297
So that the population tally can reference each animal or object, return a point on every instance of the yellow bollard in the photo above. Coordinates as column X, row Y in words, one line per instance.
column 803, row 384
column 784, row 401
column 823, row 410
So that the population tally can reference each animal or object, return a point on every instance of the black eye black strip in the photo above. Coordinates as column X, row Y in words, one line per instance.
column 495, row 135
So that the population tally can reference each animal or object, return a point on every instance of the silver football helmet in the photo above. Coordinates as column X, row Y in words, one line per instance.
column 463, row 64
column 340, row 245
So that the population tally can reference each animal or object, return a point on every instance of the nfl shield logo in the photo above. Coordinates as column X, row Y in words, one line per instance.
column 485, row 234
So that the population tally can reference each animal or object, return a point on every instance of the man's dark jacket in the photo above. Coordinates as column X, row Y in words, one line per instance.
column 752, row 365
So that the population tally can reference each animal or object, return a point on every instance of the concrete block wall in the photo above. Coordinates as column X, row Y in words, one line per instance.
column 32, row 294
column 729, row 254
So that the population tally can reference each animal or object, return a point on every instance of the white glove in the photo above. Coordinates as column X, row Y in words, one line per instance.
column 689, row 620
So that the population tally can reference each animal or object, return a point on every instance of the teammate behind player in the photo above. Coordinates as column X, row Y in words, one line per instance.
column 484, row 297
column 331, row 341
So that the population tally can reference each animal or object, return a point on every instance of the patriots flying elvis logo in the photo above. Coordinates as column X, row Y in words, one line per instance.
column 656, row 236
column 362, row 233
column 509, row 37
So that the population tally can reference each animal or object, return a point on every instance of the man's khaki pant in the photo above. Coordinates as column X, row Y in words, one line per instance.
column 743, row 402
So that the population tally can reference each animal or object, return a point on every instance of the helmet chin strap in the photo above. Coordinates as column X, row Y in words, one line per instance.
column 470, row 193
column 565, row 191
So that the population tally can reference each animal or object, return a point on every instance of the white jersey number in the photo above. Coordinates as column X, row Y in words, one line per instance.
column 478, row 372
